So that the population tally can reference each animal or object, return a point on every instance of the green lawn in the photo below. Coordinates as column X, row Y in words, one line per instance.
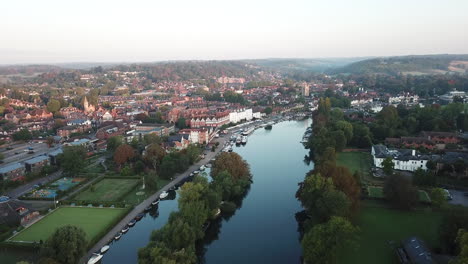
column 138, row 195
column 107, row 190
column 92, row 220
column 377, row 192
column 356, row 161
column 382, row 230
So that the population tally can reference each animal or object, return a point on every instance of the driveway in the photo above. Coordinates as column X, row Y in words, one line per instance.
column 458, row 197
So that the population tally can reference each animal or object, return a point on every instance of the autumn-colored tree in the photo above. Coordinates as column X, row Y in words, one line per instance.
column 344, row 181
column 154, row 154
column 50, row 141
column 232, row 163
column 122, row 154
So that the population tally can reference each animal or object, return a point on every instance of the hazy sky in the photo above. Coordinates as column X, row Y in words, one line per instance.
column 135, row 30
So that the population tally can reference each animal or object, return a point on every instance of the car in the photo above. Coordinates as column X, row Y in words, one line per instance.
column 16, row 153
column 9, row 148
column 448, row 195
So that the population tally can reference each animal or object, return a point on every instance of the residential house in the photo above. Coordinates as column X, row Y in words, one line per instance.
column 403, row 159
column 36, row 164
column 14, row 212
column 12, row 172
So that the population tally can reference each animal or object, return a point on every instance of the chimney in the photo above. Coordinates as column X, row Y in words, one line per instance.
column 413, row 152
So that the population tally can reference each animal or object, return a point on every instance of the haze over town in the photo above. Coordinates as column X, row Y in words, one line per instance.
column 55, row 31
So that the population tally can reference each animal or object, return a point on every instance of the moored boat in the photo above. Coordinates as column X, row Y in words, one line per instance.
column 95, row 258
column 104, row 249
column 139, row 216
column 244, row 140
column 155, row 202
column 163, row 195
column 132, row 223
column 118, row 236
column 125, row 229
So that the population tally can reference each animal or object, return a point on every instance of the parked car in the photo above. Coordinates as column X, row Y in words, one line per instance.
column 449, row 196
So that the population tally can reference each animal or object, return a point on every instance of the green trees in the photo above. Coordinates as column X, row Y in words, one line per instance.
column 114, row 142
column 438, row 197
column 53, row 106
column 232, row 163
column 387, row 166
column 399, row 191
column 181, row 123
column 72, row 160
column 23, row 134
column 322, row 242
column 175, row 242
column 424, row 178
column 66, row 245
column 462, row 240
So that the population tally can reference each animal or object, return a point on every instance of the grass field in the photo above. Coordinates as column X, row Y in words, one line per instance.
column 107, row 190
column 92, row 220
column 377, row 192
column 356, row 161
column 133, row 198
column 382, row 229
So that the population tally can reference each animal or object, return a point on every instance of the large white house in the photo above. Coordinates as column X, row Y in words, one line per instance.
column 404, row 159
column 235, row 116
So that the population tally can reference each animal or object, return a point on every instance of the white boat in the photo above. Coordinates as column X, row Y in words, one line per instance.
column 163, row 195
column 95, row 258
column 229, row 149
column 202, row 168
column 155, row 202
column 118, row 236
column 238, row 140
column 244, row 140
column 104, row 249
column 248, row 131
column 125, row 229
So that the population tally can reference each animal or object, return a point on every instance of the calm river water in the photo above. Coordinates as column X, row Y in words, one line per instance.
column 264, row 228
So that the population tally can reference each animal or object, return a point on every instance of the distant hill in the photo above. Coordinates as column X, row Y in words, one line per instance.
column 313, row 64
column 417, row 65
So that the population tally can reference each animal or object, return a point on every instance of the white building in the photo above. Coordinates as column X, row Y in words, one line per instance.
column 235, row 116
column 404, row 159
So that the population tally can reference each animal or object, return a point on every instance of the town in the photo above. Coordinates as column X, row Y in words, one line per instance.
column 121, row 138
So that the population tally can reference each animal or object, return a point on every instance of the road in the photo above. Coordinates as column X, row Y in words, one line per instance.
column 18, row 153
column 458, row 197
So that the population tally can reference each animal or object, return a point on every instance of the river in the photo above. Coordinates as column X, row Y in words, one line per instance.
column 264, row 228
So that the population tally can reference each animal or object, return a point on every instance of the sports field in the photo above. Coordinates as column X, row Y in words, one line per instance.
column 107, row 190
column 383, row 229
column 92, row 220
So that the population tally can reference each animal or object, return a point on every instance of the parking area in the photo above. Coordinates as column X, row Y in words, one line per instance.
column 459, row 197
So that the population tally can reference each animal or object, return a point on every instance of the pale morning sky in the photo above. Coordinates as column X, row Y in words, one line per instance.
column 108, row 31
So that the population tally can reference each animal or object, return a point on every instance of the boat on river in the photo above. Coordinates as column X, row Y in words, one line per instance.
column 139, row 216
column 95, row 258
column 163, row 195
column 238, row 140
column 104, row 249
column 118, row 236
column 248, row 131
column 155, row 202
column 244, row 140
column 132, row 223
column 125, row 229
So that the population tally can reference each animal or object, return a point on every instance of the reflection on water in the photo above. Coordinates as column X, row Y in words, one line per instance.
column 263, row 229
